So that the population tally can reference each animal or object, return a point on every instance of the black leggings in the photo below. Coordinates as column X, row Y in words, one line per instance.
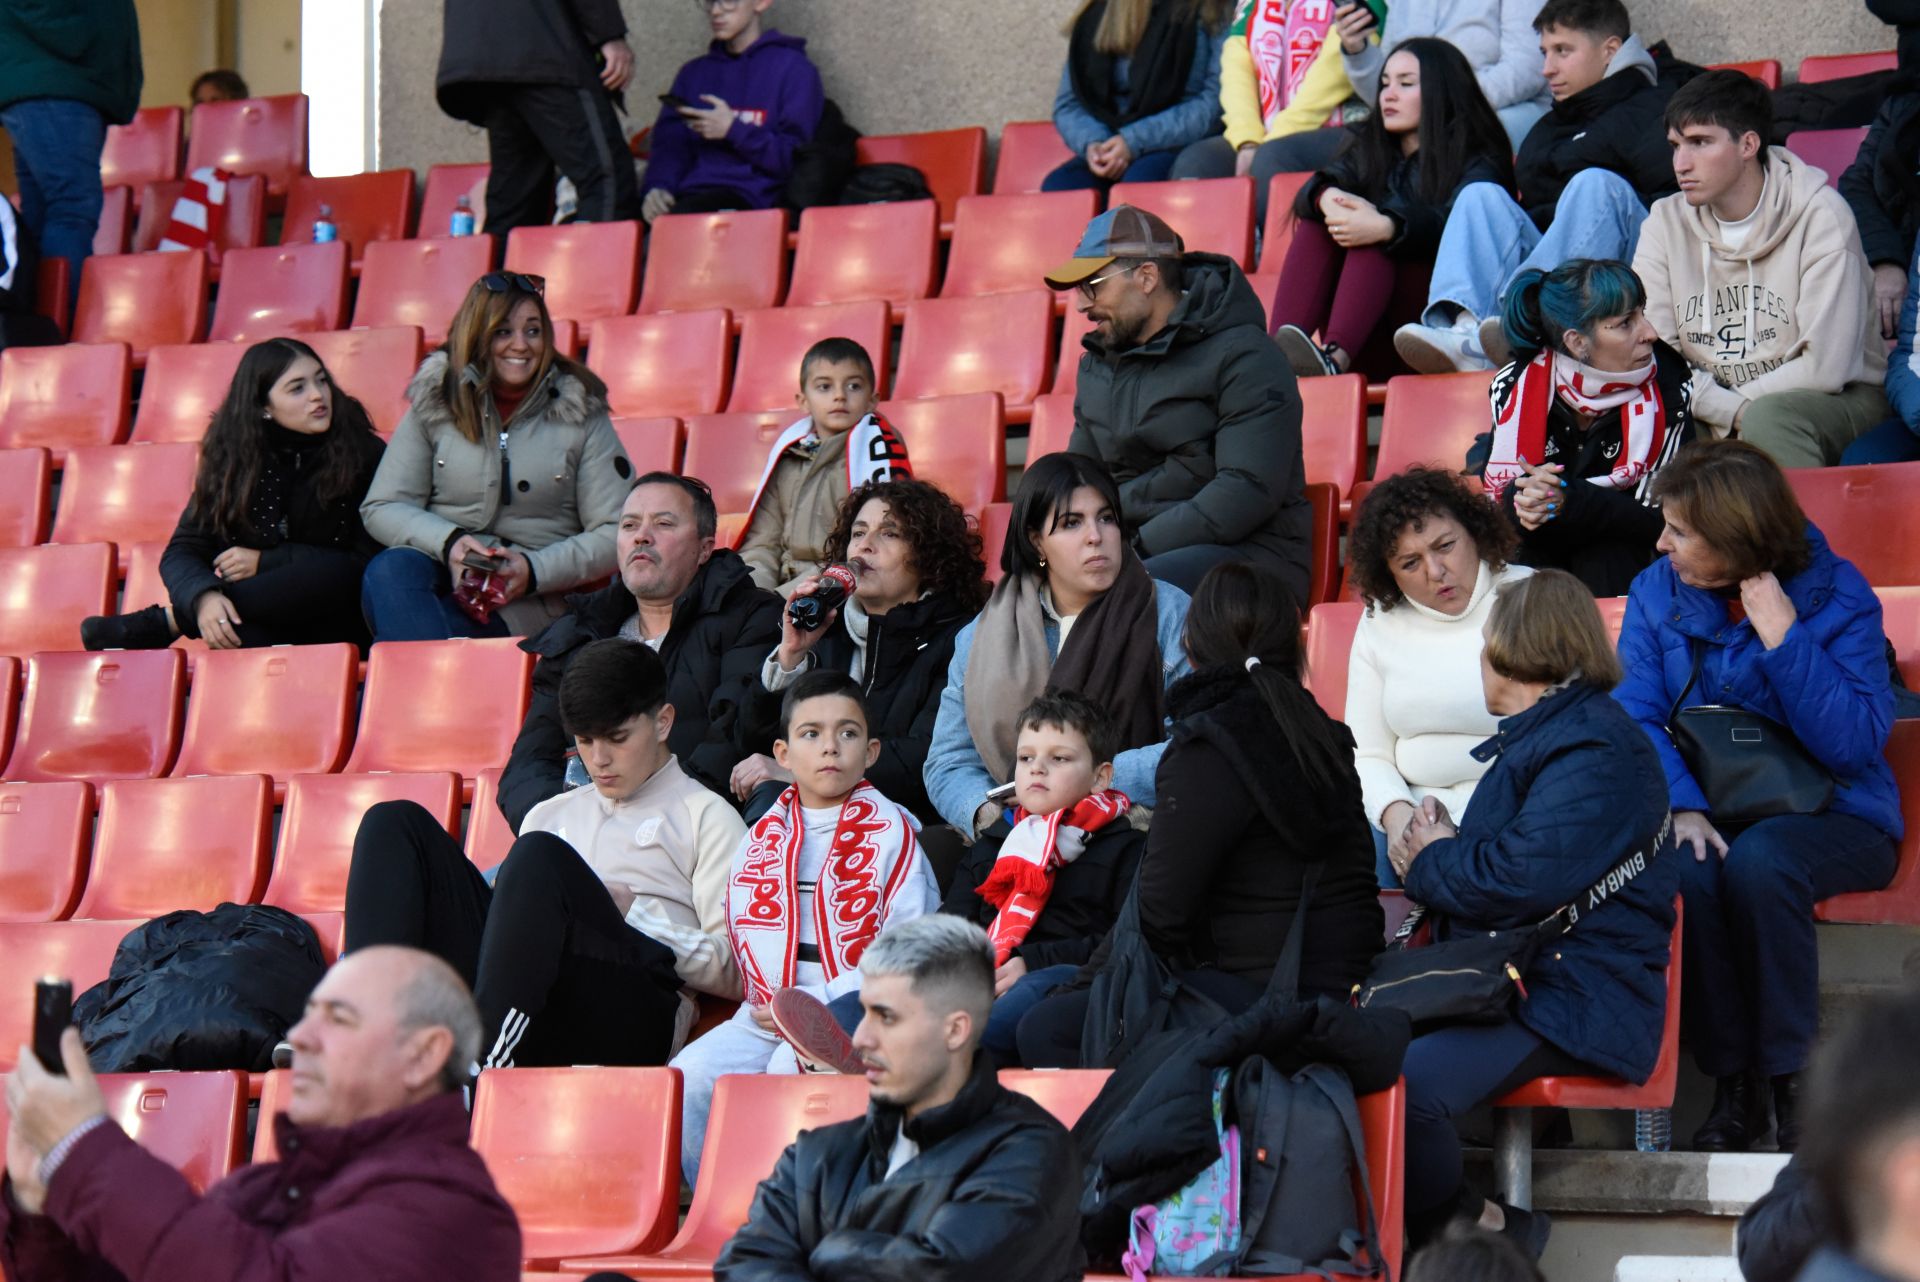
column 558, row 974
column 313, row 601
column 1049, row 1037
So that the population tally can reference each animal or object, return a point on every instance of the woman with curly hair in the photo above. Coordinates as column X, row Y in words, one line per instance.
column 920, row 577
column 1427, row 555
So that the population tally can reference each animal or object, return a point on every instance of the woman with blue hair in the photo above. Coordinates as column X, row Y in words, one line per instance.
column 1592, row 406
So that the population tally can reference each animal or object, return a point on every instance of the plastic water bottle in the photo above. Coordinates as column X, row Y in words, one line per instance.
column 323, row 229
column 1653, row 1130
column 461, row 224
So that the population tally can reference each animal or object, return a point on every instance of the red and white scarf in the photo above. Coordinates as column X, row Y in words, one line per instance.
column 874, row 854
column 875, row 452
column 1283, row 39
column 1037, row 848
column 1520, row 426
column 200, row 213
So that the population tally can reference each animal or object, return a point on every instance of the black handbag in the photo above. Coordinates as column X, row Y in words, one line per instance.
column 1473, row 979
column 1749, row 766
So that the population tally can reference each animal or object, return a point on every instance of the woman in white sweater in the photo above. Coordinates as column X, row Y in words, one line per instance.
column 1426, row 554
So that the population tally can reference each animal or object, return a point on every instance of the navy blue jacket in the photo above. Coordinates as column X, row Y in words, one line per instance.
column 1827, row 681
column 1575, row 789
column 778, row 94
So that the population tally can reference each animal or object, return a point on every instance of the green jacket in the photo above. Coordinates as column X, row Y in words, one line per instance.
column 83, row 49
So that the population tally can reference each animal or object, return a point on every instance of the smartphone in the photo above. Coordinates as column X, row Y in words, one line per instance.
column 675, row 101
column 52, row 1012
column 1342, row 10
column 485, row 562
column 1002, row 794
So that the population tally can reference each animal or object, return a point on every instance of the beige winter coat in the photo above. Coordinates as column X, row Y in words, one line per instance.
column 787, row 538
column 568, row 472
column 1787, row 311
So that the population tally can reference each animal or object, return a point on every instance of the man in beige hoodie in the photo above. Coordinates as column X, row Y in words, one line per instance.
column 1754, row 272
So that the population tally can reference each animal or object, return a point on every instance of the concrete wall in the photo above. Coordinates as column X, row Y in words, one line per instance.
column 902, row 65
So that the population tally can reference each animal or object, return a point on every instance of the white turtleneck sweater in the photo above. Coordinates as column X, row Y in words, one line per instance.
column 1415, row 703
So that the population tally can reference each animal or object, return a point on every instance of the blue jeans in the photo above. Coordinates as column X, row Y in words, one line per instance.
column 1751, row 983
column 1891, row 442
column 56, row 152
column 1008, row 1009
column 1382, row 866
column 1073, row 175
column 1489, row 239
column 1521, row 117
column 408, row 596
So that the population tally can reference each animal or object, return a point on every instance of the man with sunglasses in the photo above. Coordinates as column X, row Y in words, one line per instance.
column 1187, row 402
column 543, row 78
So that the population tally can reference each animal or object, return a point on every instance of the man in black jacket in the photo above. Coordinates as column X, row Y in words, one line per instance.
column 1587, row 174
column 695, row 604
column 949, row 1175
column 541, row 77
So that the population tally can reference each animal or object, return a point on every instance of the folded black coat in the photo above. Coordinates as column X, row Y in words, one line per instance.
column 194, row 990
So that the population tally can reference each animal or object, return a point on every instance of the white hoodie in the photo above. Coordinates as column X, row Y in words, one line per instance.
column 1787, row 311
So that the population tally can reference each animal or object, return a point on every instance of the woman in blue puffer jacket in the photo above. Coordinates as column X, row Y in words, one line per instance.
column 1575, row 792
column 1791, row 631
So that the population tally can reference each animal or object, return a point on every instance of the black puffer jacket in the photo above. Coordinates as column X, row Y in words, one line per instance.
column 1084, row 903
column 1881, row 186
column 1614, row 125
column 484, row 43
column 1418, row 221
column 1231, row 839
column 994, row 1194
column 908, row 650
column 1200, row 425
column 722, row 629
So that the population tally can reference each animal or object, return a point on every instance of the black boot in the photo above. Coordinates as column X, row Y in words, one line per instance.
column 146, row 629
column 1786, row 1112
column 1528, row 1230
column 1739, row 1116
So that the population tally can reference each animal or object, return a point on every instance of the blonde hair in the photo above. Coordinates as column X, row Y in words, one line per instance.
column 470, row 347
column 1546, row 629
column 1125, row 22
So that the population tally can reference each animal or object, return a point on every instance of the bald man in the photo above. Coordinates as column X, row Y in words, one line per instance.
column 375, row 1181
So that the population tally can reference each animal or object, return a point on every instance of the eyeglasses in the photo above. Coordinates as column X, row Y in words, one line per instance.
column 501, row 282
column 1088, row 286
column 717, row 6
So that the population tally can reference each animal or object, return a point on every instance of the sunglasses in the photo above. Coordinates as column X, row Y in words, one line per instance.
column 501, row 282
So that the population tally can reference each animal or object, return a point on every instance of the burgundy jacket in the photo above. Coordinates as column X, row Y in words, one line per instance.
column 394, row 1198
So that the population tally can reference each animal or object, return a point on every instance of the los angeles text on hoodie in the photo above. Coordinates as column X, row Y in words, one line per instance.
column 1786, row 311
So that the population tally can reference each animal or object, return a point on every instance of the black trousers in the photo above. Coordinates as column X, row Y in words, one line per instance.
column 534, row 130
column 558, row 974
column 315, row 600
column 1049, row 1037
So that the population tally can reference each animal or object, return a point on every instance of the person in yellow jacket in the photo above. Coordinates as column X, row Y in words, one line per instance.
column 1279, row 75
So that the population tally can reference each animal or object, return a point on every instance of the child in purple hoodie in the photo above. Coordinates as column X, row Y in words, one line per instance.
column 743, row 109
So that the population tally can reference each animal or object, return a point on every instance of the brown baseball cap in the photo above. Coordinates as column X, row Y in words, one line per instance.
column 1121, row 232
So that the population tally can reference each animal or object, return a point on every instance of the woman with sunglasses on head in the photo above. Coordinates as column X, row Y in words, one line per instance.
column 501, row 489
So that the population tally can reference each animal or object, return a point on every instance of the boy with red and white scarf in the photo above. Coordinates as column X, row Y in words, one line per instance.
column 821, row 874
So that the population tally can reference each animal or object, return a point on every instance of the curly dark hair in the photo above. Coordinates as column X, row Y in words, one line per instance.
column 946, row 546
column 1407, row 499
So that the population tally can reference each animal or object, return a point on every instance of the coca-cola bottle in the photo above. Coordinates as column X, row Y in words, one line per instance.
column 809, row 613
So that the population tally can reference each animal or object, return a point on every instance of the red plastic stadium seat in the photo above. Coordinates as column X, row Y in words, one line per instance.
column 592, row 269
column 1000, row 343
column 579, row 1185
column 1613, row 613
column 183, row 386
column 419, row 282
column 1052, row 425
column 1900, row 616
column 81, row 951
column 194, row 1122
column 65, row 396
column 1065, row 1093
column 374, row 366
column 266, row 136
column 145, row 150
column 243, row 226
column 652, row 444
column 52, row 293
column 1324, row 556
column 1868, row 515
column 1007, row 244
column 116, row 221
column 111, row 715
column 954, row 161
column 46, row 830
column 1074, row 327
column 365, row 207
column 1333, row 429
column 9, row 699
column 1431, row 418
column 1899, row 902
column 276, row 1091
column 488, row 836
column 26, row 478
column 46, row 591
column 566, row 338
column 318, row 825
column 1212, row 215
column 278, row 290
column 281, row 711
column 1765, row 70
column 729, row 453
column 1830, row 150
column 767, row 366
column 169, row 844
column 1276, row 236
column 993, row 536
column 445, row 185
column 442, row 705
column 142, row 300
column 957, row 443
column 672, row 365
column 697, row 262
column 1838, row 66
column 144, row 587
column 1029, row 151
column 849, row 253
column 1330, row 629
column 124, row 494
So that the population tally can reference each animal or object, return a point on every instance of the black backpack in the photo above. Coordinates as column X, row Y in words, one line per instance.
column 885, row 184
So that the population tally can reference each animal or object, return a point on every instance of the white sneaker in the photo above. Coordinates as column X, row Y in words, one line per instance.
column 1493, row 341
column 1433, row 350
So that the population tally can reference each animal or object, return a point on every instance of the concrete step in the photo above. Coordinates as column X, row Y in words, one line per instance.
column 1611, row 1182
column 1677, row 1268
